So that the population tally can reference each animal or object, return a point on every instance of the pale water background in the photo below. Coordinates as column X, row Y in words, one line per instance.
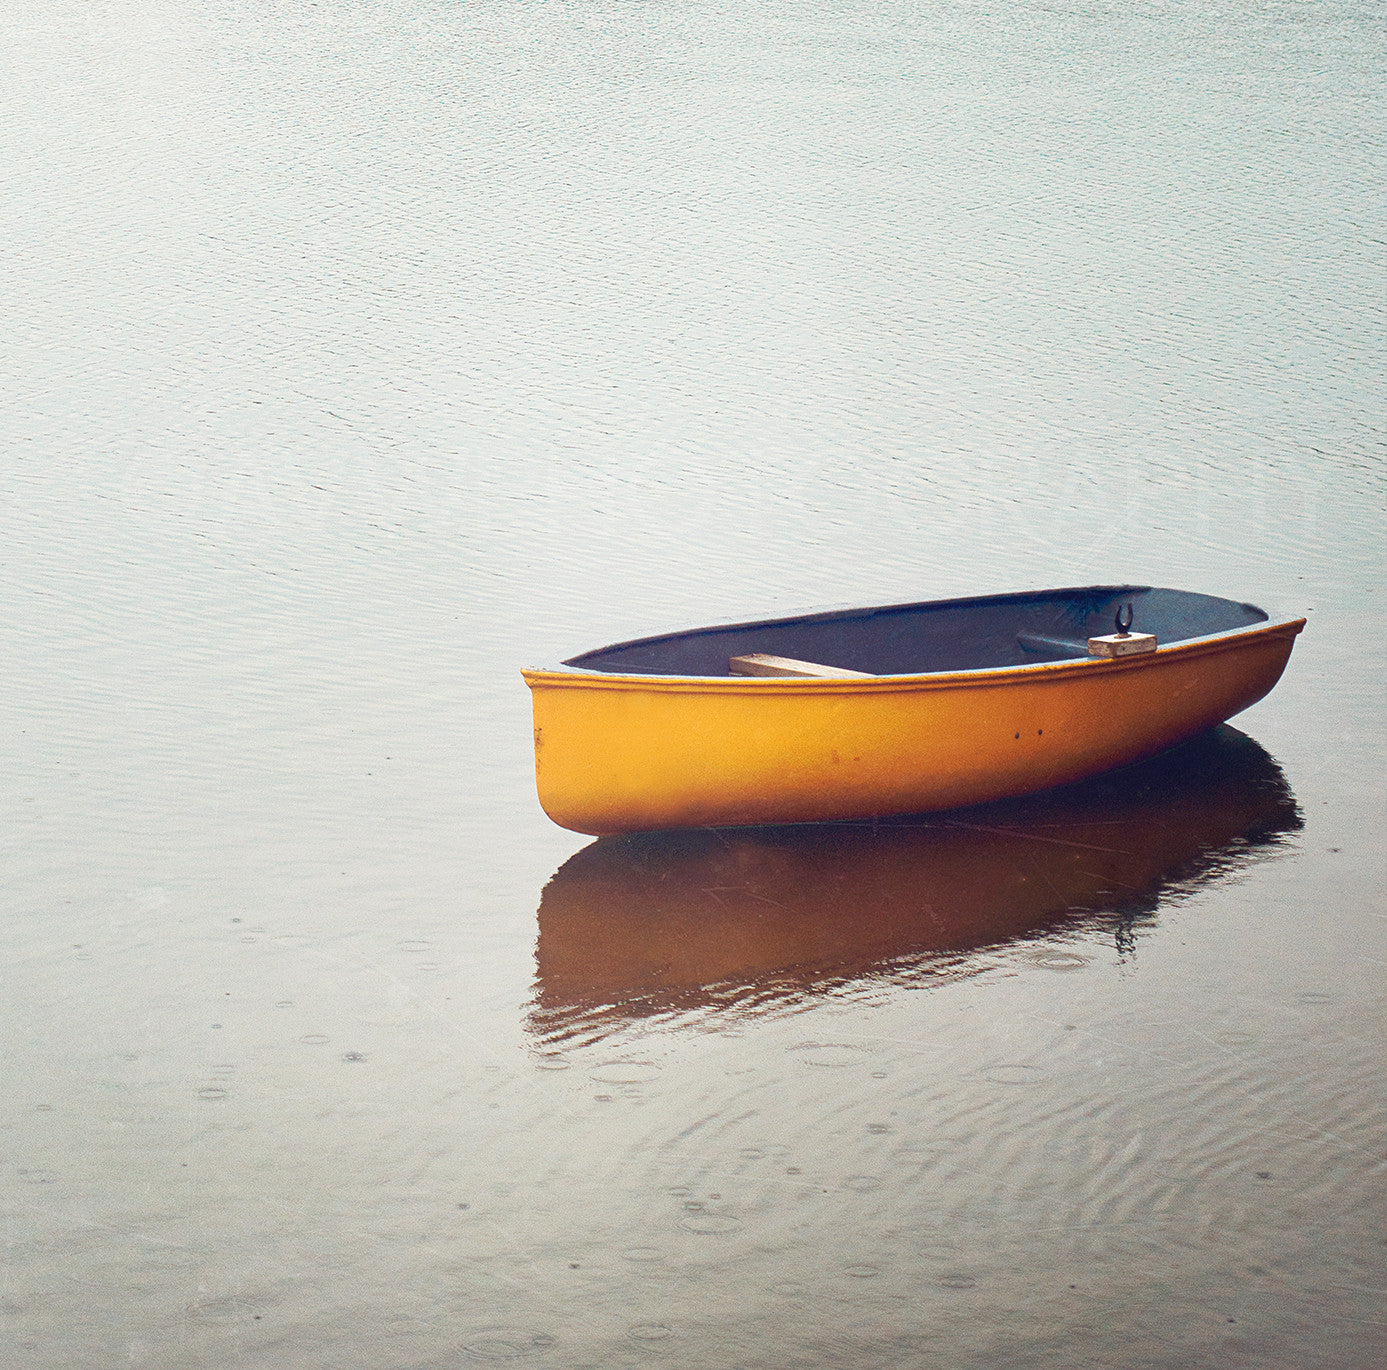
column 356, row 354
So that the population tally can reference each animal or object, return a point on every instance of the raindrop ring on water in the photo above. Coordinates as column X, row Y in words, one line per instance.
column 504, row 1343
column 710, row 1224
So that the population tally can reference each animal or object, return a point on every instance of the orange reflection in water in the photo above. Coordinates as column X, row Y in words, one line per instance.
column 762, row 918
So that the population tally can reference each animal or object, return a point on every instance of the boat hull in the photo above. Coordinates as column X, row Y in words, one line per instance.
column 628, row 753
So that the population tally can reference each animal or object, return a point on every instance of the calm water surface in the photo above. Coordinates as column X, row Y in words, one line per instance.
column 356, row 354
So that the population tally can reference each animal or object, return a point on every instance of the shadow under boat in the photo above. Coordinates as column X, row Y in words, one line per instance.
column 756, row 919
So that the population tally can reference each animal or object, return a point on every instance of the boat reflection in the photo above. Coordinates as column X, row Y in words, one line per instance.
column 755, row 919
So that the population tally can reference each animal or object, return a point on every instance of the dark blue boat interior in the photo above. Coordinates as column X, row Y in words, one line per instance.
column 944, row 635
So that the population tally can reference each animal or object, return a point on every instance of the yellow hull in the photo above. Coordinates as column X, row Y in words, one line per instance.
column 629, row 753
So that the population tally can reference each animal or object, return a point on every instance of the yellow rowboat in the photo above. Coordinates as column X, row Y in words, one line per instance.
column 903, row 708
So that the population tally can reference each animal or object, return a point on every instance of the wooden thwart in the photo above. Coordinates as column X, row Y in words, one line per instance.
column 759, row 663
column 1110, row 645
column 1043, row 642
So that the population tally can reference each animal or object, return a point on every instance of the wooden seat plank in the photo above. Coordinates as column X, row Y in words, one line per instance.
column 762, row 664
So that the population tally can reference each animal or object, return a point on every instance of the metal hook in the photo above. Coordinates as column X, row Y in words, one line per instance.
column 1123, row 625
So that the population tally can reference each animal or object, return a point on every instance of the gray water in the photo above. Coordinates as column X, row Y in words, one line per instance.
column 354, row 355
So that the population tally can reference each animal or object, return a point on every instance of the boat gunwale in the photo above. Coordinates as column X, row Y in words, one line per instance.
column 578, row 677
